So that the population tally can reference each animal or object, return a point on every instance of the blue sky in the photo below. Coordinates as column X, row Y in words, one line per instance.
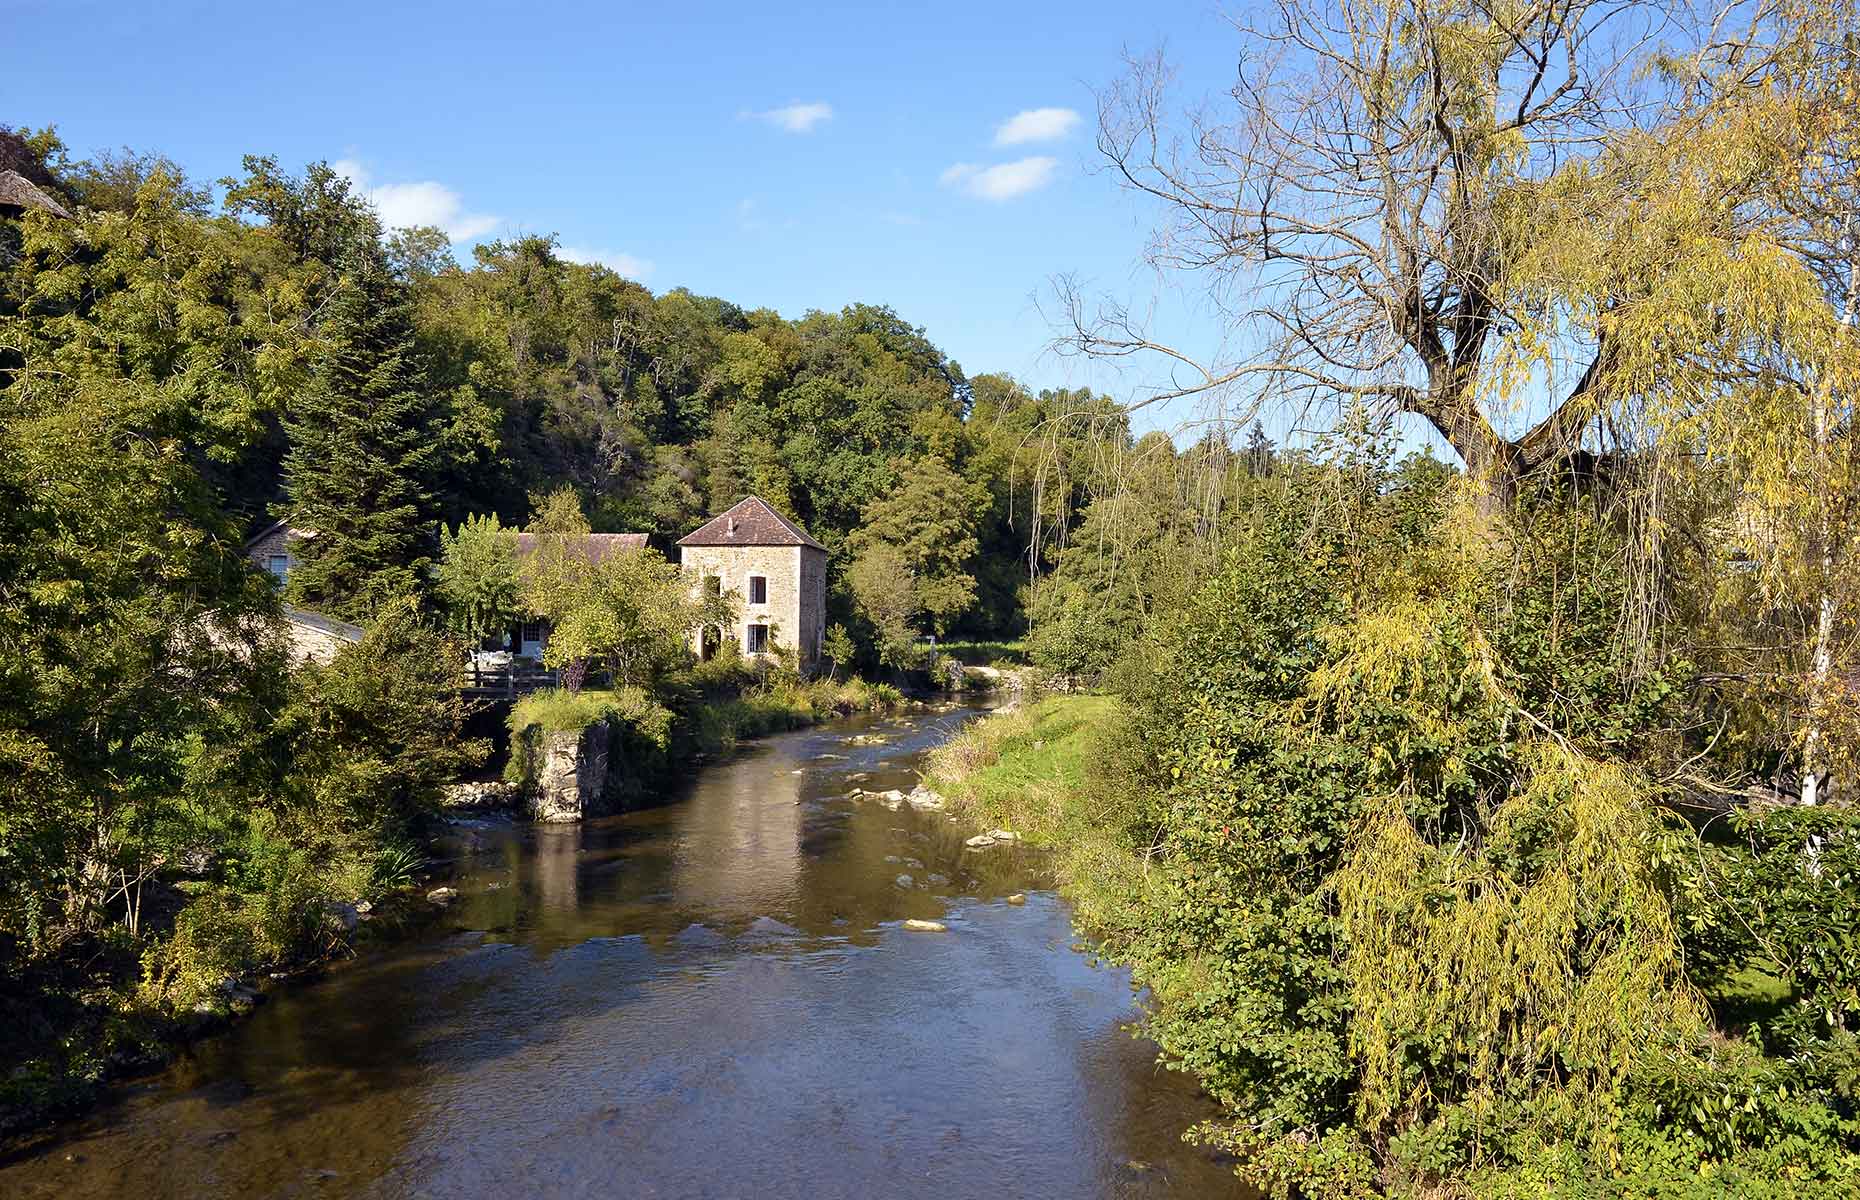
column 777, row 157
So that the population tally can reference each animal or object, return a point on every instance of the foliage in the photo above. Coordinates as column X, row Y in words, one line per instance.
column 1782, row 892
column 627, row 614
column 929, row 524
column 476, row 577
column 885, row 595
column 1376, row 824
column 131, row 634
column 375, row 734
column 837, row 646
column 359, row 474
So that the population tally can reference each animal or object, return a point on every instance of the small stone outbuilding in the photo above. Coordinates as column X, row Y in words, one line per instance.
column 775, row 568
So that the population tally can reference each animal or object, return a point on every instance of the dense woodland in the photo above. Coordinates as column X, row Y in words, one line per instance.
column 1485, row 830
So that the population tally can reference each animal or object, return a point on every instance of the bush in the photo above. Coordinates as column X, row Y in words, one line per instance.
column 376, row 734
column 267, row 911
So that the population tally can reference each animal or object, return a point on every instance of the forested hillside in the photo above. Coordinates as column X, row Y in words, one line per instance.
column 365, row 380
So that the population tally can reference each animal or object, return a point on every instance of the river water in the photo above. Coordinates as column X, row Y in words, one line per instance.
column 712, row 998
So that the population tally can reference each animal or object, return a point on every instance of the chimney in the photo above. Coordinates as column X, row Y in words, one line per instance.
column 732, row 526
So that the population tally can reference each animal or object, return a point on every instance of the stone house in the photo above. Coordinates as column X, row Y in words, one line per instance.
column 778, row 571
column 313, row 636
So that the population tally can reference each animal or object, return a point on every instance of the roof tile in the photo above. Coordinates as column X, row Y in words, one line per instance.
column 751, row 522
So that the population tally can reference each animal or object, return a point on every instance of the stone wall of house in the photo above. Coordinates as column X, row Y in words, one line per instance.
column 262, row 547
column 796, row 605
column 811, row 623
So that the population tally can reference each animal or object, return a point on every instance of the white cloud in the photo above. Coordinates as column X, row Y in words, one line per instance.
column 631, row 266
column 1036, row 125
column 1003, row 181
column 422, row 202
column 796, row 117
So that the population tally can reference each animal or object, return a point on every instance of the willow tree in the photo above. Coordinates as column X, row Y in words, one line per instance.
column 1445, row 209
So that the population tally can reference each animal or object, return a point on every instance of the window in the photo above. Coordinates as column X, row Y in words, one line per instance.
column 758, row 589
column 532, row 631
column 279, row 565
column 758, row 639
column 713, row 587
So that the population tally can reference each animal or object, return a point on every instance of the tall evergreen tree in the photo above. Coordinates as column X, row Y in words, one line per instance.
column 363, row 450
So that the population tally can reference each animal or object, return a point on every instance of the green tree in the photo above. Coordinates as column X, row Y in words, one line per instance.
column 363, row 449
column 557, row 572
column 133, row 637
column 928, row 526
column 884, row 592
column 629, row 614
column 631, row 619
column 476, row 577
column 376, row 734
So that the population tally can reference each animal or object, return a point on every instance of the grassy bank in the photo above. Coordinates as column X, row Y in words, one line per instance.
column 1041, row 770
column 716, row 724
column 701, row 713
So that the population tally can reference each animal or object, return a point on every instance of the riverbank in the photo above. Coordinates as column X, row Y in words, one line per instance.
column 1042, row 768
column 83, row 1023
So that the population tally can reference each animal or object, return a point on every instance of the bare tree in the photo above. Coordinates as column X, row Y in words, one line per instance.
column 1375, row 203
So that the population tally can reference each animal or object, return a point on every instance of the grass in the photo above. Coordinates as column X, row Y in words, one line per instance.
column 1023, row 768
column 704, row 712
column 558, row 710
column 1052, row 772
column 986, row 654
column 715, row 725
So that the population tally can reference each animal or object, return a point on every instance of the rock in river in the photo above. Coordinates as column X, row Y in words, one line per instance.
column 443, row 895
column 916, row 926
column 1017, row 898
column 770, row 927
column 698, row 935
column 979, row 841
column 905, row 881
column 923, row 799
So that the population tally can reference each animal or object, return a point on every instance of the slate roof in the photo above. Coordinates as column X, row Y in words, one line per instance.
column 600, row 545
column 16, row 191
column 750, row 523
column 267, row 531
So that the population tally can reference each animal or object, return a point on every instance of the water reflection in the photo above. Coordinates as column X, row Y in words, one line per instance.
column 706, row 999
column 740, row 850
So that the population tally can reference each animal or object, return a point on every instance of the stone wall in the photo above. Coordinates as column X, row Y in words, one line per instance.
column 315, row 638
column 811, row 624
column 797, row 588
column 570, row 772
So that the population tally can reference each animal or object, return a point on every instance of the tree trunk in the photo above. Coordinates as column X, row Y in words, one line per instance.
column 1812, row 749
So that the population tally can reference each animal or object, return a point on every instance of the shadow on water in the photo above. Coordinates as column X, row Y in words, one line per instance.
column 709, row 998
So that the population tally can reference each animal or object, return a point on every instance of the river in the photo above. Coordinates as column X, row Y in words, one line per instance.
column 711, row 998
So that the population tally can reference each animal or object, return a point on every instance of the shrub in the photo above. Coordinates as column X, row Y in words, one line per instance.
column 376, row 734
